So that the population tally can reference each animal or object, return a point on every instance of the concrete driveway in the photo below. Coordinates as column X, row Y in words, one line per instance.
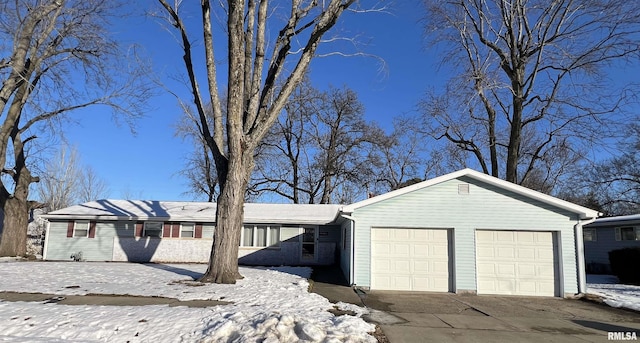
column 435, row 317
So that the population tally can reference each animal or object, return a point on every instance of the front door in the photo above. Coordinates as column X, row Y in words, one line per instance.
column 308, row 244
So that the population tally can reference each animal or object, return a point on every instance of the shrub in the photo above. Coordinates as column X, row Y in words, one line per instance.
column 625, row 264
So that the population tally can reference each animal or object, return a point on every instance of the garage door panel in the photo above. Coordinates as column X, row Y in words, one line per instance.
column 485, row 251
column 526, row 253
column 400, row 249
column 487, row 269
column 381, row 235
column 528, row 270
column 383, row 265
column 506, row 252
column 439, row 251
column 544, row 237
column 440, row 268
column 400, row 235
column 419, row 259
column 401, row 266
column 506, row 286
column 516, row 262
column 504, row 236
column 421, row 267
column 421, row 250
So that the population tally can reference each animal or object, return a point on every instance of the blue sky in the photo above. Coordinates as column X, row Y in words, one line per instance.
column 146, row 165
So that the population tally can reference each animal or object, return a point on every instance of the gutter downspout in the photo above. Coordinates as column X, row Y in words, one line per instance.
column 352, row 224
column 45, row 248
column 582, row 277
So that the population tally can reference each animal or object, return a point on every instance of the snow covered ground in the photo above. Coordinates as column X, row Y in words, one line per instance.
column 614, row 294
column 269, row 305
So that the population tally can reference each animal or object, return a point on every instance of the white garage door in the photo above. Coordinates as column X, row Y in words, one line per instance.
column 516, row 263
column 409, row 259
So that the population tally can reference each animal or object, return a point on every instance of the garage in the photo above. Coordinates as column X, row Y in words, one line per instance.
column 469, row 233
column 517, row 263
column 410, row 259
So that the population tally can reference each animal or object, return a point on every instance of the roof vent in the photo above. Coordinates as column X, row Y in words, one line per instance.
column 463, row 188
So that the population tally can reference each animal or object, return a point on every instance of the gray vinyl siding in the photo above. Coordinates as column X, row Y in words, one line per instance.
column 207, row 230
column 597, row 252
column 485, row 207
column 329, row 233
column 99, row 248
column 289, row 234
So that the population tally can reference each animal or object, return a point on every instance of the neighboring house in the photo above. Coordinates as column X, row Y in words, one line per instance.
column 464, row 232
column 606, row 234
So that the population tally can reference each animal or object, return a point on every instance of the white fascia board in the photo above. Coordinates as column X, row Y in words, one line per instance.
column 183, row 219
column 401, row 191
column 100, row 217
column 632, row 219
column 585, row 213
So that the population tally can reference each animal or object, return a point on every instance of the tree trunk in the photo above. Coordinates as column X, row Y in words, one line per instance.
column 16, row 215
column 223, row 266
column 515, row 139
column 15, row 224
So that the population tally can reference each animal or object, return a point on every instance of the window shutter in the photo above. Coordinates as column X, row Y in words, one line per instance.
column 70, row 229
column 175, row 230
column 618, row 234
column 166, row 231
column 139, row 227
column 92, row 229
column 198, row 233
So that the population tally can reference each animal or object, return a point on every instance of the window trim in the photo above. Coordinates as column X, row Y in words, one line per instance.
column 75, row 228
column 594, row 235
column 620, row 237
column 193, row 229
column 144, row 229
column 254, row 238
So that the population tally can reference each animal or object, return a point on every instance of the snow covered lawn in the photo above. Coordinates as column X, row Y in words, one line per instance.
column 613, row 293
column 268, row 305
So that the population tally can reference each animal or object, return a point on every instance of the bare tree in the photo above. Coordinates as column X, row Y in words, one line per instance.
column 283, row 158
column 58, row 186
column 65, row 181
column 57, row 56
column 531, row 77
column 199, row 171
column 91, row 186
column 400, row 158
column 317, row 151
column 253, row 100
column 614, row 183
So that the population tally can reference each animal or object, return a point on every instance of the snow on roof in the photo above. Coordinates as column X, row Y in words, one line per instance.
column 196, row 211
column 585, row 213
column 615, row 220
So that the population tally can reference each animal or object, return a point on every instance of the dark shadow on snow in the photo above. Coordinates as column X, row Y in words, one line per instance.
column 175, row 269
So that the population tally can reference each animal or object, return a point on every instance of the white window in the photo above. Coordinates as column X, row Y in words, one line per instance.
column 260, row 236
column 152, row 229
column 81, row 228
column 589, row 235
column 628, row 233
column 187, row 230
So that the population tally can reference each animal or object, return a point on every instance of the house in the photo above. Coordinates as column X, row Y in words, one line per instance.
column 607, row 234
column 464, row 232
column 165, row 231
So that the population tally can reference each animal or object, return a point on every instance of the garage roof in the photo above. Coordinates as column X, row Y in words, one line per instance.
column 583, row 212
column 196, row 211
